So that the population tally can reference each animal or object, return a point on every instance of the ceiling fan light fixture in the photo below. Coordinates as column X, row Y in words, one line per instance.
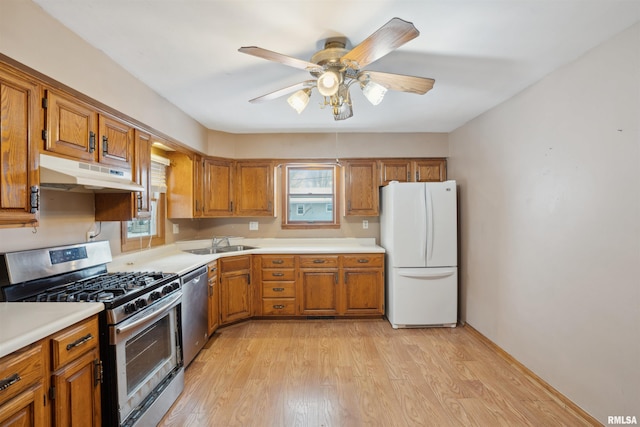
column 373, row 91
column 328, row 83
column 299, row 100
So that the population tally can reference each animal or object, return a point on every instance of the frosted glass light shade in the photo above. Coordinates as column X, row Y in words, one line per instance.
column 299, row 100
column 374, row 92
column 328, row 83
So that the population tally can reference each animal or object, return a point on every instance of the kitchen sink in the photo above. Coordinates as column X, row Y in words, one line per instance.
column 219, row 250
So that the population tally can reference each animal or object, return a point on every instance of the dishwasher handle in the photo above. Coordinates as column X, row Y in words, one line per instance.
column 194, row 275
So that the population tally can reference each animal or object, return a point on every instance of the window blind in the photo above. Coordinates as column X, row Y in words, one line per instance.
column 159, row 166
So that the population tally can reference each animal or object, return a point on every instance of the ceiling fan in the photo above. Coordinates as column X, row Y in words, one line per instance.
column 336, row 69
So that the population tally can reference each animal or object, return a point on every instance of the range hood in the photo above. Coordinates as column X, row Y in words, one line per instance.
column 71, row 175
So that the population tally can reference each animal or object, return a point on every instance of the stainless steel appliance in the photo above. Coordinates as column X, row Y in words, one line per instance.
column 194, row 313
column 139, row 330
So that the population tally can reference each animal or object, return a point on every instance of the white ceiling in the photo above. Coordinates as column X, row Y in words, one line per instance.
column 480, row 53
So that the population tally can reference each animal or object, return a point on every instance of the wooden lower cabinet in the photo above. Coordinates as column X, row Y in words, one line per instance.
column 235, row 288
column 320, row 285
column 55, row 381
column 214, row 298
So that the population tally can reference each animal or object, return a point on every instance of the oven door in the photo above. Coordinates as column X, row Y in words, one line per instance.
column 147, row 352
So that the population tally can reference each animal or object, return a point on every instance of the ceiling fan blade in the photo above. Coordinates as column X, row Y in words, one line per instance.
column 278, row 57
column 284, row 91
column 400, row 82
column 390, row 36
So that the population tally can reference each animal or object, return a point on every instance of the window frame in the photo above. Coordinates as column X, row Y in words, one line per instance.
column 137, row 243
column 292, row 224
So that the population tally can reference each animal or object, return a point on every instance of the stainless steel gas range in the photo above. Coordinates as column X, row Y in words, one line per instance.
column 140, row 331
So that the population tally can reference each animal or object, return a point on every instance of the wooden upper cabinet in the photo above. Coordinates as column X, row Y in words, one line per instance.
column 361, row 188
column 142, row 173
column 71, row 127
column 19, row 119
column 413, row 170
column 217, row 185
column 254, row 189
column 116, row 142
column 430, row 170
column 395, row 170
column 182, row 186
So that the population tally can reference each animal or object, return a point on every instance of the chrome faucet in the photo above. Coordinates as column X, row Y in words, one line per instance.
column 217, row 241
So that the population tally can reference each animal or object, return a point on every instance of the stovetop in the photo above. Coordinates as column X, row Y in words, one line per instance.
column 109, row 288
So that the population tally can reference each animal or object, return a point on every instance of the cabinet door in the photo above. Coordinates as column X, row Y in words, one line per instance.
column 71, row 127
column 254, row 189
column 235, row 296
column 77, row 393
column 318, row 292
column 361, row 188
column 142, row 173
column 26, row 409
column 116, row 143
column 395, row 170
column 363, row 291
column 214, row 299
column 218, row 187
column 18, row 156
column 430, row 170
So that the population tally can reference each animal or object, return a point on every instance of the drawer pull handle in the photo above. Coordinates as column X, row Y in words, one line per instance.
column 363, row 261
column 277, row 261
column 318, row 261
column 278, row 289
column 79, row 341
column 8, row 382
column 279, row 306
column 277, row 274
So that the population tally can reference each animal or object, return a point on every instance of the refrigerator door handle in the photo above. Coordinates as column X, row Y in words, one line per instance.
column 430, row 228
column 420, row 273
column 423, row 228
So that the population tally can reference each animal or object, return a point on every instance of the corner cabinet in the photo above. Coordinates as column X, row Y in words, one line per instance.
column 235, row 288
column 19, row 122
column 361, row 188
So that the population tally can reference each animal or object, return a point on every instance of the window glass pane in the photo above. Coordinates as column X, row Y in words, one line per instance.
column 310, row 181
column 144, row 227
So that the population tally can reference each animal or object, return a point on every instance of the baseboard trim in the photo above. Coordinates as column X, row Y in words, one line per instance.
column 553, row 393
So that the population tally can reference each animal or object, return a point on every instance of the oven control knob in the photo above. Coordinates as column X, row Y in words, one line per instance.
column 155, row 295
column 176, row 285
column 130, row 308
column 140, row 303
column 167, row 289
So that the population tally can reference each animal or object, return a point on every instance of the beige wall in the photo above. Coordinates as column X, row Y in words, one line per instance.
column 550, row 205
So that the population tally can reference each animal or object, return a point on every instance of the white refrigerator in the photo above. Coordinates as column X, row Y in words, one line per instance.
column 419, row 231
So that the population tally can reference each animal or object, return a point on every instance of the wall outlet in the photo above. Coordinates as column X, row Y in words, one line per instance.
column 365, row 224
column 253, row 225
column 91, row 236
column 176, row 228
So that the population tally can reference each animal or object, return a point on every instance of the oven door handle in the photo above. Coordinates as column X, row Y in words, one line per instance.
column 160, row 309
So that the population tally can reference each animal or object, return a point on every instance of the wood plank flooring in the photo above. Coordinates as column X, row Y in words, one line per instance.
column 321, row 373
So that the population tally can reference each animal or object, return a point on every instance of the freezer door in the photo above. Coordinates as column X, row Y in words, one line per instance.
column 442, row 224
column 403, row 224
column 422, row 297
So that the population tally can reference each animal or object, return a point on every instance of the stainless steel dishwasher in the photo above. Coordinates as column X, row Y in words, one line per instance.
column 194, row 313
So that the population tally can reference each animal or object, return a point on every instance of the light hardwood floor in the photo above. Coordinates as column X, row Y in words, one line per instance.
column 359, row 373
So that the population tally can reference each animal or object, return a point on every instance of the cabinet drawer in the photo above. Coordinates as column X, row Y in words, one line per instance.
column 74, row 341
column 363, row 260
column 235, row 263
column 277, row 261
column 20, row 370
column 278, row 274
column 278, row 289
column 318, row 261
column 281, row 306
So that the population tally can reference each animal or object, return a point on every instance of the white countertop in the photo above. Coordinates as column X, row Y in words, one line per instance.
column 172, row 259
column 24, row 323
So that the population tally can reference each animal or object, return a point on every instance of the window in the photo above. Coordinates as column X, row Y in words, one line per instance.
column 310, row 196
